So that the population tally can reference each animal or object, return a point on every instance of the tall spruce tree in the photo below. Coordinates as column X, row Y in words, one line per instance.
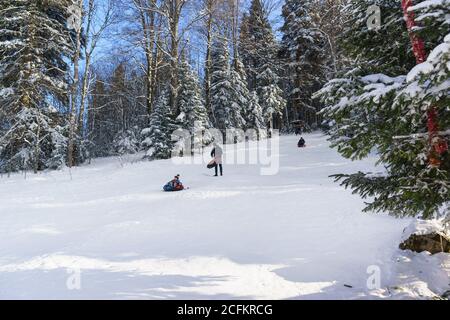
column 255, row 117
column 375, row 106
column 157, row 138
column 255, row 36
column 393, row 53
column 239, row 93
column 246, row 49
column 193, row 113
column 259, row 50
column 302, row 47
column 35, row 44
column 227, row 113
column 190, row 103
column 271, row 96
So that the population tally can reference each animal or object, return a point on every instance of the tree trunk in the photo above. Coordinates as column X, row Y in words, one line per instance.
column 174, row 18
column 148, row 27
column 73, row 98
column 208, row 63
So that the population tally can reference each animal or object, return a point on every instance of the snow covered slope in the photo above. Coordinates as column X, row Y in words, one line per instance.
column 109, row 228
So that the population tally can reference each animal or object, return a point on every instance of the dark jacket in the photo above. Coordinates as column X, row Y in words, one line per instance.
column 301, row 143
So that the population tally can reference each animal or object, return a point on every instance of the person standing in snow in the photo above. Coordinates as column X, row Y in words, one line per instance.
column 217, row 153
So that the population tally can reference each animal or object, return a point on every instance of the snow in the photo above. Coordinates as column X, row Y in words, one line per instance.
column 440, row 50
column 434, row 58
column 429, row 3
column 422, row 68
column 418, row 275
column 373, row 78
column 293, row 235
column 6, row 92
column 421, row 227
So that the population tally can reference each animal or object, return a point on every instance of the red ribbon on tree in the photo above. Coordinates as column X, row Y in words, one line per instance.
column 438, row 145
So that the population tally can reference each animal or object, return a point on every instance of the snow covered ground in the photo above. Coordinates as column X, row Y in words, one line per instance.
column 107, row 231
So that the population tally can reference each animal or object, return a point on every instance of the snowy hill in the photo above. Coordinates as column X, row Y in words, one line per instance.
column 292, row 235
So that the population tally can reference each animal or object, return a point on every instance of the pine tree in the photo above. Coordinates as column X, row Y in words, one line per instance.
column 393, row 53
column 246, row 49
column 57, row 142
column 303, row 47
column 388, row 112
column 157, row 138
column 126, row 142
column 255, row 36
column 100, row 117
column 190, row 103
column 259, row 50
column 34, row 45
column 221, row 86
column 271, row 96
column 433, row 20
column 254, row 116
column 33, row 142
column 239, row 93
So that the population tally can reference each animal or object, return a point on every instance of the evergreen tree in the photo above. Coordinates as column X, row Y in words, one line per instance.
column 271, row 96
column 190, row 103
column 393, row 53
column 126, row 142
column 259, row 51
column 157, row 138
column 33, row 142
column 433, row 19
column 255, row 36
column 57, row 142
column 303, row 48
column 221, row 86
column 388, row 112
column 254, row 116
column 100, row 117
column 247, row 50
column 34, row 46
column 239, row 93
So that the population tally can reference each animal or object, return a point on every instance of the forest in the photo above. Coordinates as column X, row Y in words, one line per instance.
column 94, row 85
column 82, row 79
column 98, row 99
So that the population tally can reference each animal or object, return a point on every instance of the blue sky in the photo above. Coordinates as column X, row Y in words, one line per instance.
column 109, row 44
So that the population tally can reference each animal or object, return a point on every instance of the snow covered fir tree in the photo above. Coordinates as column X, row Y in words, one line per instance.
column 304, row 47
column 259, row 50
column 161, row 145
column 226, row 89
column 157, row 138
column 34, row 46
column 193, row 114
column 255, row 116
column 375, row 105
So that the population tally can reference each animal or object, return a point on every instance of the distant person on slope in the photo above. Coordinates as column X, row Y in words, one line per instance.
column 174, row 185
column 217, row 153
column 301, row 143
